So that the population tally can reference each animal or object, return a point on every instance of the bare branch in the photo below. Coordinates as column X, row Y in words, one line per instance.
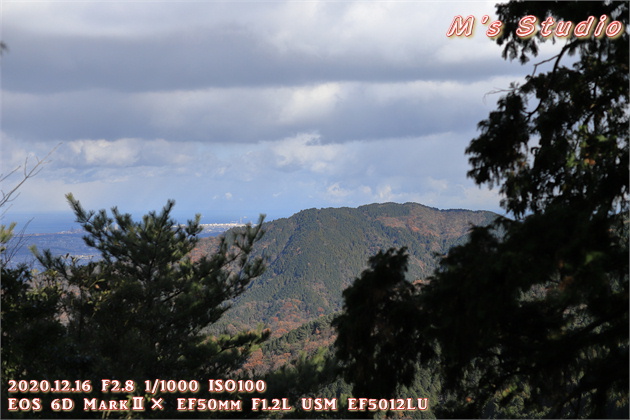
column 7, row 197
column 555, row 57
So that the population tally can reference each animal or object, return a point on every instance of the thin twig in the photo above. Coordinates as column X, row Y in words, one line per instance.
column 27, row 174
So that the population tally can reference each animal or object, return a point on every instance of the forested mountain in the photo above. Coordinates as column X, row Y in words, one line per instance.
column 313, row 256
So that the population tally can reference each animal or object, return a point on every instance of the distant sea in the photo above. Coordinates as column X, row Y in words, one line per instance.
column 41, row 222
column 64, row 221
column 61, row 234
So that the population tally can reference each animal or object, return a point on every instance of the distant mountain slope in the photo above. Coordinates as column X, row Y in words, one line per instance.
column 315, row 254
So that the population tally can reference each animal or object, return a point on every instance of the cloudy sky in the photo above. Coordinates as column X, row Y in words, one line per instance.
column 245, row 107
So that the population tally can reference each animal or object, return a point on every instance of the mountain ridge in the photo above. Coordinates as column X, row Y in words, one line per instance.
column 315, row 254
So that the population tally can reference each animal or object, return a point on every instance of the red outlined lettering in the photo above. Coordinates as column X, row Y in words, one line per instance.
column 62, row 404
column 584, row 28
column 393, row 404
column 231, row 385
column 526, row 26
column 24, row 404
column 275, row 404
column 495, row 29
column 202, row 404
column 546, row 27
column 599, row 29
column 460, row 27
column 319, row 404
column 563, row 29
column 170, row 386
column 614, row 29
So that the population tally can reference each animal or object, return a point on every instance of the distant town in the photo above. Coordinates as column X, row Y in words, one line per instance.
column 219, row 227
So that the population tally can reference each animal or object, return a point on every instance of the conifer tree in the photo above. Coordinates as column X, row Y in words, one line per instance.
column 534, row 309
column 530, row 317
column 33, row 340
column 374, row 327
column 139, row 312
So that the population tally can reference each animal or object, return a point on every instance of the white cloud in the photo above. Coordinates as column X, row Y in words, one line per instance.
column 274, row 177
column 129, row 152
column 247, row 107
column 310, row 104
column 335, row 193
column 123, row 152
column 384, row 193
column 305, row 152
column 437, row 184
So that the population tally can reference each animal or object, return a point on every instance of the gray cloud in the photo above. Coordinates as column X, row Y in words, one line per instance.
column 213, row 72
column 225, row 56
column 338, row 111
column 246, row 107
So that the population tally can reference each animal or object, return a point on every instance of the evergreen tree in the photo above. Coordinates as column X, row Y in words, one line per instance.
column 530, row 317
column 375, row 326
column 33, row 339
column 539, row 312
column 139, row 312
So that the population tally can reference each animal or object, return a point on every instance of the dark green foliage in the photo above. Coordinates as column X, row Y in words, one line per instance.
column 138, row 312
column 146, row 294
column 33, row 342
column 551, row 328
column 293, row 341
column 551, row 332
column 490, row 342
column 305, row 376
column 561, row 137
column 314, row 254
column 316, row 374
column 378, row 337
column 530, row 317
column 426, row 384
column 377, row 326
